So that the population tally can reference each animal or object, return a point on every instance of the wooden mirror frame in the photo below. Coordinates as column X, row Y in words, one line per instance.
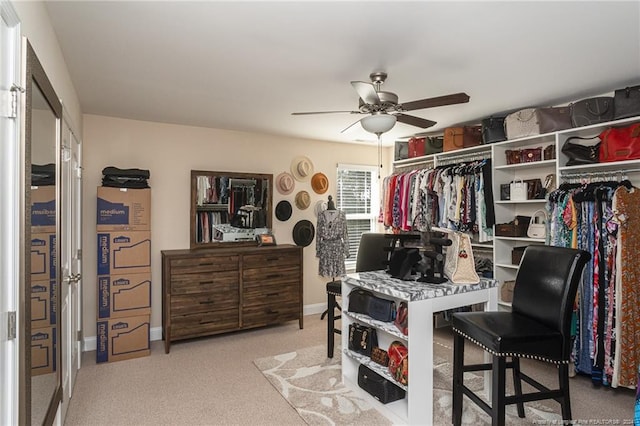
column 35, row 74
column 194, row 210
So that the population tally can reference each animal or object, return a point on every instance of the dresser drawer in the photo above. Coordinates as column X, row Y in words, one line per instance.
column 266, row 275
column 205, row 323
column 271, row 294
column 198, row 264
column 259, row 315
column 215, row 282
column 271, row 259
column 203, row 302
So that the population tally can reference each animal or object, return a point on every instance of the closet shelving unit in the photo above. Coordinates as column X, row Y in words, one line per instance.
column 506, row 210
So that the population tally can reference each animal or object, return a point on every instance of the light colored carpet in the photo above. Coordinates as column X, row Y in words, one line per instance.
column 312, row 384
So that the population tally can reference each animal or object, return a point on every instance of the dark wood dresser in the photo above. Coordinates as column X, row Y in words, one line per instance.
column 212, row 291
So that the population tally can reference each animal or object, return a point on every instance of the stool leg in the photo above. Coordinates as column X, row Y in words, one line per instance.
column 517, row 384
column 458, row 378
column 498, row 391
column 563, row 371
column 331, row 302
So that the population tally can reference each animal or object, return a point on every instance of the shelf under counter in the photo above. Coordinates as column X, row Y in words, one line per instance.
column 387, row 327
column 380, row 369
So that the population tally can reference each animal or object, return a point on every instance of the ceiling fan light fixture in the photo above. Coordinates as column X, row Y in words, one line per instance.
column 378, row 123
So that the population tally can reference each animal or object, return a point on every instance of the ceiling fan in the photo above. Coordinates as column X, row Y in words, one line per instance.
column 384, row 110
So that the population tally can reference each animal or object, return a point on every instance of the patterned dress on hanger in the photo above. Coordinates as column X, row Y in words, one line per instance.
column 332, row 243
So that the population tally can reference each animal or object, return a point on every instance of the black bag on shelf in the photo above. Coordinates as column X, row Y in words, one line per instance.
column 626, row 102
column 493, row 130
column 362, row 339
column 364, row 302
column 579, row 153
column 592, row 111
column 377, row 386
column 359, row 301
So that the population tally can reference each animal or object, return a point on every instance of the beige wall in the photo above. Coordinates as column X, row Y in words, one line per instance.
column 170, row 152
column 35, row 25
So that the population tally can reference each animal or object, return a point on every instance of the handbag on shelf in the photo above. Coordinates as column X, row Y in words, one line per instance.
column 518, row 190
column 433, row 145
column 581, row 153
column 377, row 386
column 399, row 362
column 362, row 339
column 514, row 156
column 459, row 266
column 402, row 318
column 529, row 155
column 382, row 309
column 620, row 143
column 538, row 225
column 401, row 150
column 416, row 147
column 505, row 191
column 591, row 111
column 359, row 301
column 380, row 356
column 549, row 152
column 521, row 124
column 535, row 191
column 493, row 130
column 553, row 119
column 626, row 102
column 462, row 137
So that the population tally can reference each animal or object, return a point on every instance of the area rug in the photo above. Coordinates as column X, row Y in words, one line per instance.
column 312, row 384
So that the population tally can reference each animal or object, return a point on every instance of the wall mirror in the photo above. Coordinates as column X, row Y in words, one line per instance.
column 229, row 208
column 40, row 370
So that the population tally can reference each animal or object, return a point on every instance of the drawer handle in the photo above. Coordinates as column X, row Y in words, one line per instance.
column 272, row 294
column 206, row 282
column 206, row 302
column 273, row 258
column 206, row 264
column 273, row 276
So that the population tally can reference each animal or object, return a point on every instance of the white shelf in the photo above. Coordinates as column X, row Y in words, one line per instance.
column 535, row 201
column 530, row 165
column 387, row 327
column 531, row 240
column 380, row 369
column 506, row 265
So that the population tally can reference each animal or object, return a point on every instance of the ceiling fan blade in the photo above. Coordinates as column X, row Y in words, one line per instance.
column 350, row 126
column 367, row 92
column 325, row 112
column 415, row 121
column 456, row 98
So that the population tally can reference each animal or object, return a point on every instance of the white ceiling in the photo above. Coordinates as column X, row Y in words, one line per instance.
column 248, row 65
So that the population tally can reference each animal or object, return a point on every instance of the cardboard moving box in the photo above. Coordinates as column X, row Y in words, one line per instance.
column 123, row 209
column 43, row 303
column 43, row 350
column 43, row 209
column 123, row 338
column 124, row 295
column 124, row 252
column 43, row 256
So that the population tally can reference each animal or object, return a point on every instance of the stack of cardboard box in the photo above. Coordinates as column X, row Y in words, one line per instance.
column 124, row 273
column 44, row 291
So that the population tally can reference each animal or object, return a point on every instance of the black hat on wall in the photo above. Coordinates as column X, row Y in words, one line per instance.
column 303, row 233
column 283, row 210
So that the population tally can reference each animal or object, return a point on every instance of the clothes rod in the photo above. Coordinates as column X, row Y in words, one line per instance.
column 464, row 157
column 600, row 173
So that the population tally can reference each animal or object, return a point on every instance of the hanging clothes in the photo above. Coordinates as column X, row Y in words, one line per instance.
column 332, row 243
column 456, row 197
column 603, row 218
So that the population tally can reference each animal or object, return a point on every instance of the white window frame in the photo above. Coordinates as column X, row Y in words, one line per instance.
column 374, row 203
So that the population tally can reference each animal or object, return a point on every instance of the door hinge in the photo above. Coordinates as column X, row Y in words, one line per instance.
column 79, row 335
column 79, row 254
column 11, row 325
column 9, row 101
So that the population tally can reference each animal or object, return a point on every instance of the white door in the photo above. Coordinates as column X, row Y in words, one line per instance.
column 10, row 171
column 71, row 261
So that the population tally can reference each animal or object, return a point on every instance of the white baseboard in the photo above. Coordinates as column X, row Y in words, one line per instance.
column 89, row 343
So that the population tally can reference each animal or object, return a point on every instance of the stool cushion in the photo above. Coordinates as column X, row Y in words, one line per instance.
column 510, row 334
column 335, row 287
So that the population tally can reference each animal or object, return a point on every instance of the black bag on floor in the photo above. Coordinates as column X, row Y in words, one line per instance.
column 377, row 386
column 125, row 178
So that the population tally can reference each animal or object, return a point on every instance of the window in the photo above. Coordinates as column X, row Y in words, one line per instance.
column 358, row 197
